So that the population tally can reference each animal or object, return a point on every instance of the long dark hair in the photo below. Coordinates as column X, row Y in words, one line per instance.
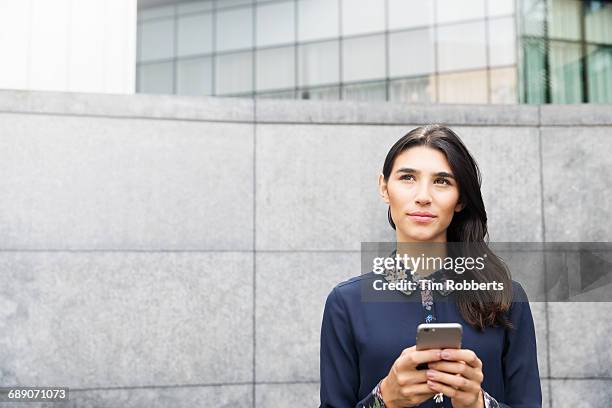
column 468, row 226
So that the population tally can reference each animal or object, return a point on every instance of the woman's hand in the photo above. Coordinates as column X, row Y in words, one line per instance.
column 405, row 386
column 458, row 376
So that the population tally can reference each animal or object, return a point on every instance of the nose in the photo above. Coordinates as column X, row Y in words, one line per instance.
column 423, row 196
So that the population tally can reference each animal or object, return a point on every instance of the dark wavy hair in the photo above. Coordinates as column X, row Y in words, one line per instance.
column 468, row 226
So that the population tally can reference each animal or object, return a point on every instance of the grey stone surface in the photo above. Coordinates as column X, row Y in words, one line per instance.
column 298, row 111
column 579, row 336
column 139, row 105
column 528, row 271
column 287, row 395
column 99, row 319
column 538, row 313
column 545, row 385
column 310, row 189
column 526, row 265
column 577, row 189
column 268, row 110
column 344, row 112
column 527, row 268
column 96, row 176
column 573, row 115
column 317, row 185
column 592, row 393
column 291, row 293
column 509, row 162
column 104, row 183
column 229, row 396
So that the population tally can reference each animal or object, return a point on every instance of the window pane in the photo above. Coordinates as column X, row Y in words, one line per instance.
column 156, row 40
column 599, row 21
column 566, row 81
column 319, row 63
column 195, row 34
column 564, row 19
column 235, row 29
column 155, row 78
column 503, row 85
column 532, row 17
column 413, row 90
column 463, row 87
column 500, row 7
column 362, row 16
column 328, row 93
column 275, row 68
column 453, row 10
column 276, row 95
column 195, row 6
column 461, row 46
column 363, row 58
column 411, row 53
column 155, row 12
column 600, row 74
column 410, row 13
column 194, row 76
column 533, row 89
column 234, row 73
column 365, row 92
column 231, row 3
column 275, row 24
column 502, row 48
column 317, row 19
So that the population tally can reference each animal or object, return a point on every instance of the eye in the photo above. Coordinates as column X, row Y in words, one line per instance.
column 444, row 181
column 405, row 176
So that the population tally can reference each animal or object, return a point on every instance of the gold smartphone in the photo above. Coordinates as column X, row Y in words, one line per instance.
column 438, row 335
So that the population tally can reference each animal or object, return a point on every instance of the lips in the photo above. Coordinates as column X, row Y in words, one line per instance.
column 422, row 216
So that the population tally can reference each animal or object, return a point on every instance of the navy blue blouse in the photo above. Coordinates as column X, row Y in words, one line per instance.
column 361, row 339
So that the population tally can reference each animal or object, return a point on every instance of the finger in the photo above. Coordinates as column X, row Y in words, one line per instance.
column 409, row 376
column 418, row 377
column 421, row 390
column 458, row 367
column 453, row 380
column 466, row 355
column 450, row 391
column 414, row 358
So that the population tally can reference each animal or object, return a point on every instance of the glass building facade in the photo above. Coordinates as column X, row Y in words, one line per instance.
column 417, row 51
column 566, row 51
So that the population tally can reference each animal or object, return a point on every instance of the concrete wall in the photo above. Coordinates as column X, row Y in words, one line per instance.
column 161, row 250
column 68, row 45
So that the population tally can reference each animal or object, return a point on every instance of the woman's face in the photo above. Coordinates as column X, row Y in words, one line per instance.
column 421, row 181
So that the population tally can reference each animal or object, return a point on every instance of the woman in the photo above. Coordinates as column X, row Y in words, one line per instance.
column 368, row 355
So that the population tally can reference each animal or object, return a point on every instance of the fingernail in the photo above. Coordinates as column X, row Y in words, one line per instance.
column 445, row 354
column 430, row 374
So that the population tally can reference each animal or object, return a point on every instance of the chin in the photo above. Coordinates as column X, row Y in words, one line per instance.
column 421, row 237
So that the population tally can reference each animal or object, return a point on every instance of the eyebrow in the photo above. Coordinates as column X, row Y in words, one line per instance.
column 408, row 170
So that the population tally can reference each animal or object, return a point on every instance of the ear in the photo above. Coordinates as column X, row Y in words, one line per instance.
column 460, row 206
column 382, row 188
